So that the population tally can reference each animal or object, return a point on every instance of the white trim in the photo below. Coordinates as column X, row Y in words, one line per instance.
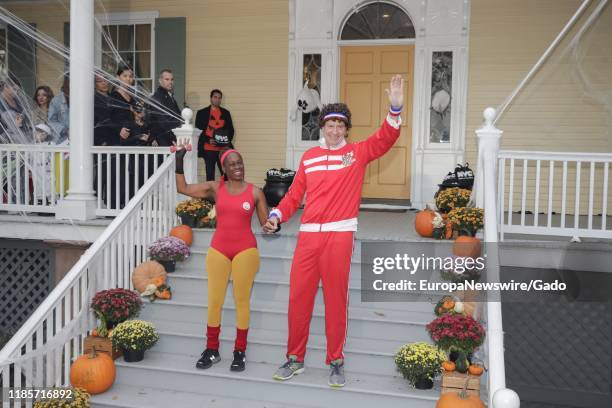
column 358, row 43
column 128, row 17
column 342, row 225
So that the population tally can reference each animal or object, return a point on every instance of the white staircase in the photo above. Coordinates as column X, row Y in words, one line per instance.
column 168, row 373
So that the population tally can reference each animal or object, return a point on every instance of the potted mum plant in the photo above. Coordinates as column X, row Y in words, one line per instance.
column 457, row 334
column 193, row 211
column 114, row 306
column 167, row 251
column 419, row 363
column 133, row 338
column 451, row 198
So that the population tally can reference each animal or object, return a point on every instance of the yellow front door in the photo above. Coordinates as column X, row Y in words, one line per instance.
column 364, row 75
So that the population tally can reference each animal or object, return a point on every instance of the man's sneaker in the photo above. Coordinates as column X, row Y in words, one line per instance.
column 239, row 361
column 289, row 369
column 209, row 357
column 336, row 374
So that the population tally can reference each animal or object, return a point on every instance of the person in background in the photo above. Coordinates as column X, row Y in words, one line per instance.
column 211, row 119
column 59, row 111
column 103, row 135
column 42, row 99
column 163, row 121
column 13, row 126
column 140, row 136
column 121, row 102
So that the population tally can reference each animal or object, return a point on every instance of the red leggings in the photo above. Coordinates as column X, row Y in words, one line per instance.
column 320, row 256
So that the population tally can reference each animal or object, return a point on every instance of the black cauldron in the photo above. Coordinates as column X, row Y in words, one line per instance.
column 278, row 182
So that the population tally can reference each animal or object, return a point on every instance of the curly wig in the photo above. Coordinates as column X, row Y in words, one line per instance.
column 335, row 108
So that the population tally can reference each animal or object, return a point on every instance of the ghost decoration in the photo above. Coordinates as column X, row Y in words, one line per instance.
column 307, row 101
column 440, row 102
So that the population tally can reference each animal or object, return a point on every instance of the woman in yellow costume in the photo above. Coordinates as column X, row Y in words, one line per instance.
column 233, row 249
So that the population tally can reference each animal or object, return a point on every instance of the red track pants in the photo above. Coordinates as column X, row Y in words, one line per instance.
column 320, row 256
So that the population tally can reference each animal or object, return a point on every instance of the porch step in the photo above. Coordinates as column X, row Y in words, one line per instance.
column 159, row 369
column 126, row 396
column 188, row 282
column 363, row 322
column 269, row 346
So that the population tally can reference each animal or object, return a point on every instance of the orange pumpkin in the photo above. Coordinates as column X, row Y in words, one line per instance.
column 94, row 372
column 160, row 280
column 467, row 247
column 94, row 332
column 423, row 223
column 448, row 366
column 184, row 233
column 459, row 400
column 448, row 304
column 164, row 294
column 146, row 273
column 476, row 370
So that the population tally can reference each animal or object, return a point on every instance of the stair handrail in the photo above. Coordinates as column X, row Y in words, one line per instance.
column 485, row 196
column 146, row 216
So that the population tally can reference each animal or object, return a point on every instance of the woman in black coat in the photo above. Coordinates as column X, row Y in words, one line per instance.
column 121, row 103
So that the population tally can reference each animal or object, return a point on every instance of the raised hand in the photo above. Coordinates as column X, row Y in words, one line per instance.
column 396, row 91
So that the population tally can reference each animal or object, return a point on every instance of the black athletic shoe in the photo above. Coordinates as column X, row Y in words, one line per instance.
column 209, row 357
column 239, row 362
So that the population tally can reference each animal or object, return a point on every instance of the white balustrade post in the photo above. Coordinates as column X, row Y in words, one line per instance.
column 506, row 398
column 80, row 203
column 488, row 142
column 485, row 196
column 189, row 134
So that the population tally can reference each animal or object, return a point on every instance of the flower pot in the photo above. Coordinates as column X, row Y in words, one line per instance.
column 169, row 266
column 423, row 384
column 132, row 356
column 189, row 220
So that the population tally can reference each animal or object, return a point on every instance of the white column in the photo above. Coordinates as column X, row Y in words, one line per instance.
column 80, row 203
column 189, row 134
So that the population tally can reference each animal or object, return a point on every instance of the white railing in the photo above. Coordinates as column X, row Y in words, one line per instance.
column 120, row 171
column 485, row 196
column 559, row 194
column 34, row 178
column 40, row 353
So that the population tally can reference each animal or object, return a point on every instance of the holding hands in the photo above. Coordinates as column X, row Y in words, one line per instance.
column 271, row 225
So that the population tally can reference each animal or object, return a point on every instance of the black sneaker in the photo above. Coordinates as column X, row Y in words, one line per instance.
column 209, row 357
column 239, row 361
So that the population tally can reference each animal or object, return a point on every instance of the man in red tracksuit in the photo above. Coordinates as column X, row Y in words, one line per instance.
column 331, row 176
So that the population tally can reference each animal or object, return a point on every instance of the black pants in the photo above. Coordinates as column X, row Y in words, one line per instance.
column 211, row 158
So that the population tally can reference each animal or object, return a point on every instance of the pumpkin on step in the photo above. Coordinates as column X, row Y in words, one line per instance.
column 459, row 400
column 184, row 233
column 95, row 372
column 423, row 223
column 466, row 247
column 147, row 273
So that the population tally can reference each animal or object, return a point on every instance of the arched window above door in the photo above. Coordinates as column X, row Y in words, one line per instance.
column 377, row 21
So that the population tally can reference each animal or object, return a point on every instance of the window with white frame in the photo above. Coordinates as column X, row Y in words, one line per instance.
column 131, row 44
